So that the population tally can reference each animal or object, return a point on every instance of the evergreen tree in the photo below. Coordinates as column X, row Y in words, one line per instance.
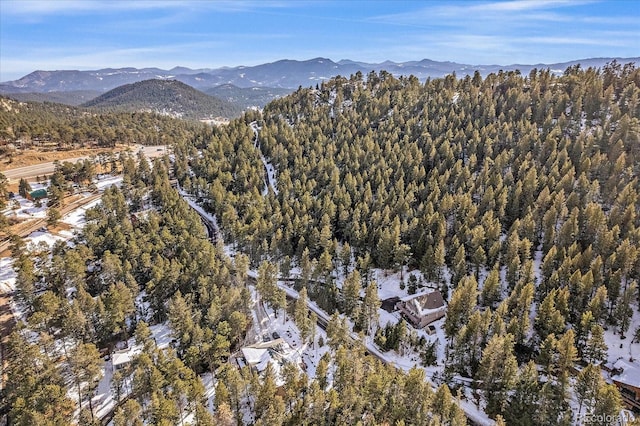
column 351, row 292
column 588, row 382
column 523, row 404
column 85, row 365
column 549, row 319
column 266, row 392
column 267, row 283
column 301, row 316
column 463, row 301
column 337, row 331
column 370, row 306
column 608, row 403
column 345, row 258
column 624, row 310
column 595, row 350
column 498, row 372
column 53, row 216
column 491, row 288
column 24, row 188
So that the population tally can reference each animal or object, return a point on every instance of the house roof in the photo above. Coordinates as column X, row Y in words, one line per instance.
column 38, row 193
column 425, row 302
column 268, row 344
column 630, row 374
column 125, row 356
column 258, row 358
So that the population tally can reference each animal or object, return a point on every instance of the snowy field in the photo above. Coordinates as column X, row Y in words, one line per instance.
column 22, row 208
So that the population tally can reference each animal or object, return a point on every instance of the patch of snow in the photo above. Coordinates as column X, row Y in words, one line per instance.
column 76, row 218
column 27, row 209
column 35, row 238
column 271, row 172
column 619, row 348
column 474, row 414
column 161, row 333
column 108, row 181
column 389, row 282
column 7, row 275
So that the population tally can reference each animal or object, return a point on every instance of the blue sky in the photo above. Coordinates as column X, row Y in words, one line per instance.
column 83, row 34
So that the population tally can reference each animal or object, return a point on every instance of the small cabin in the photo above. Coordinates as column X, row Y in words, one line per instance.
column 122, row 358
column 38, row 194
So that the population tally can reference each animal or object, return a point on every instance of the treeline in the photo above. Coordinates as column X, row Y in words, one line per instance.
column 57, row 126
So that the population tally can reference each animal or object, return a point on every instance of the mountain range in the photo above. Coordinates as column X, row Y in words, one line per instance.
column 225, row 92
column 284, row 74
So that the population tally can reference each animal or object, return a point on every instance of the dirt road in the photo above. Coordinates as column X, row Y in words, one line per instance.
column 29, row 172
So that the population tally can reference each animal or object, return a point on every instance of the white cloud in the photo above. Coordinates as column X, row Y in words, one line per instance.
column 54, row 7
column 526, row 5
column 459, row 14
column 48, row 7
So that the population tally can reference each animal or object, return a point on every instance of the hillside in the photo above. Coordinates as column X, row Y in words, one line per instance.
column 167, row 97
column 515, row 195
column 52, row 126
column 72, row 98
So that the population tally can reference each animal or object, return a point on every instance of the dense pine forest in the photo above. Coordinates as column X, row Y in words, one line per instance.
column 55, row 126
column 86, row 296
column 168, row 96
column 515, row 195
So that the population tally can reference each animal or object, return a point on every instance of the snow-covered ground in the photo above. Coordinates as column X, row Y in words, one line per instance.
column 271, row 174
column 76, row 218
column 106, row 181
column 104, row 400
column 390, row 283
column 22, row 208
column 623, row 349
column 7, row 275
column 42, row 236
column 8, row 285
